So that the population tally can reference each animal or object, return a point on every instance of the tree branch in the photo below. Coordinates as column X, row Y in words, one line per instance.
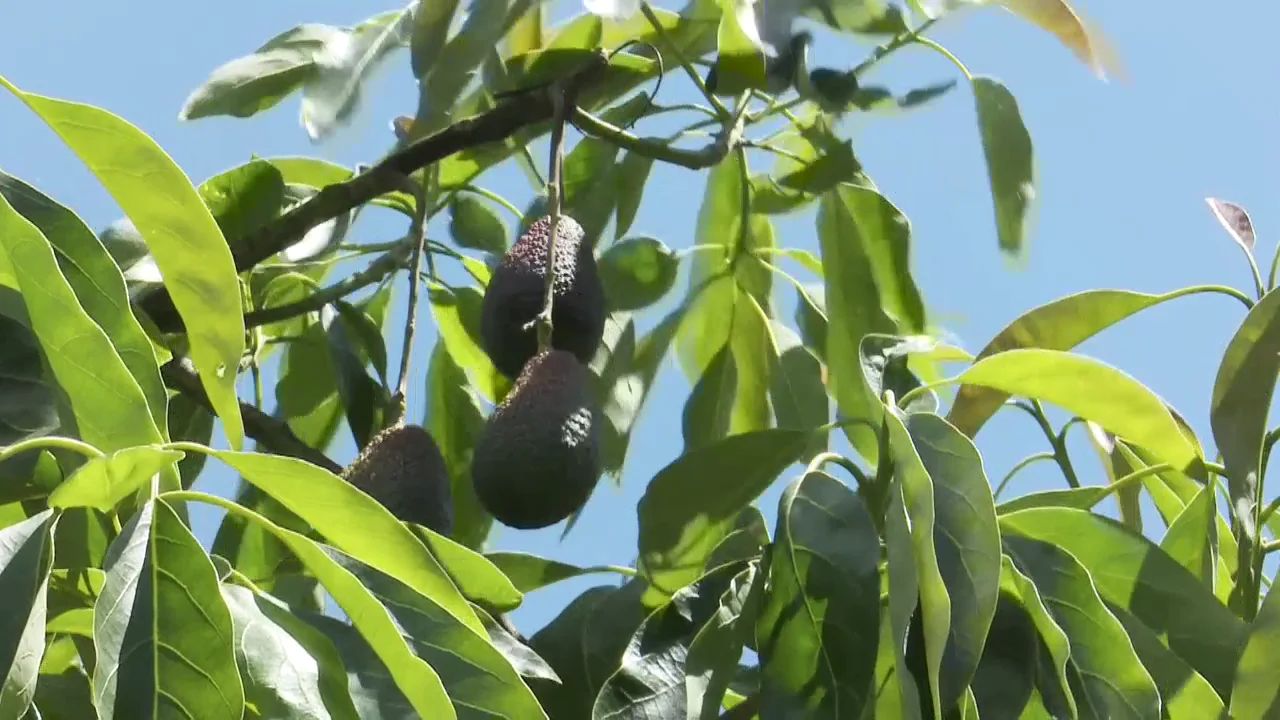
column 273, row 434
column 513, row 113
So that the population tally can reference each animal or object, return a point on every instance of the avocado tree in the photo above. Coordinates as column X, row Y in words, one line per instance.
column 895, row 582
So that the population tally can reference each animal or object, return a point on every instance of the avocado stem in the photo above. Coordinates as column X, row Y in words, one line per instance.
column 561, row 105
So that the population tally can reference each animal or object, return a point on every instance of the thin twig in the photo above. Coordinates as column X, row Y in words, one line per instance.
column 562, row 99
column 377, row 270
column 270, row 433
column 509, row 116
column 419, row 232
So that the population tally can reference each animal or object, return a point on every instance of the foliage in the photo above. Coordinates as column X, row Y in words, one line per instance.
column 896, row 583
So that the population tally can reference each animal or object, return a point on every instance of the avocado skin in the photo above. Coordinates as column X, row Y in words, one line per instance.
column 514, row 297
column 402, row 468
column 537, row 460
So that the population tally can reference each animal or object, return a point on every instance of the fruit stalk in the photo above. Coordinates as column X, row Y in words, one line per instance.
column 562, row 105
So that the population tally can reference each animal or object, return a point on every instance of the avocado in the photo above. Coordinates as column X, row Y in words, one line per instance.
column 402, row 468
column 537, row 460
column 514, row 297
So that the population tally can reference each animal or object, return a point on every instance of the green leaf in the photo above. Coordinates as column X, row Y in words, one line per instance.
column 1183, row 691
column 1133, row 573
column 584, row 644
column 473, row 224
column 65, row 696
column 818, row 630
column 651, row 680
column 637, row 272
column 1010, row 161
column 354, row 523
column 97, row 283
column 753, row 353
column 911, row 546
column 720, row 223
column 853, row 306
column 316, row 173
column 188, row 247
column 331, row 95
column 712, row 660
column 420, row 684
column 25, row 559
column 1052, row 651
column 244, row 198
column 102, row 482
column 284, row 675
column 1108, row 677
column 626, row 380
column 709, row 409
column 1059, row 325
column 590, row 184
column 190, row 421
column 110, row 410
column 1081, row 498
column 1256, row 692
column 1242, row 392
column 1094, row 391
column 525, row 661
column 248, row 85
column 476, row 676
column 454, row 419
column 1192, row 539
column 477, row 578
column 691, row 504
column 967, row 542
column 364, row 399
column 457, row 315
column 740, row 60
column 31, row 405
column 796, row 390
column 163, row 634
column 307, row 395
column 430, row 33
column 631, row 177
column 530, row 572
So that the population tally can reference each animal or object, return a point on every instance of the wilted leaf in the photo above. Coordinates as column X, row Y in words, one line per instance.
column 187, row 244
column 162, row 632
column 1065, row 23
column 1235, row 219
column 1010, row 161
column 691, row 504
column 818, row 631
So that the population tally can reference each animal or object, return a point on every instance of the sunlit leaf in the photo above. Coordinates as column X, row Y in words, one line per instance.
column 637, row 272
column 454, row 419
column 98, row 285
column 1010, row 162
column 342, row 64
column 1256, row 691
column 102, row 482
column 110, row 410
column 163, row 634
column 1094, row 391
column 187, row 244
column 475, row 225
column 530, row 572
column 1065, row 23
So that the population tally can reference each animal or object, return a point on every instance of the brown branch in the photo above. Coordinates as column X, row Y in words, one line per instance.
column 272, row 434
column 513, row 113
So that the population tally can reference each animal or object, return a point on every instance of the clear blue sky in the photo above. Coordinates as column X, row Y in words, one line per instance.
column 1123, row 171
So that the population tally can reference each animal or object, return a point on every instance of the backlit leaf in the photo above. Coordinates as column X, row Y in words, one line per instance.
column 1010, row 162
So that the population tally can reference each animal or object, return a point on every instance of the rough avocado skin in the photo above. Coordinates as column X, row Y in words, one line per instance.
column 514, row 296
column 403, row 470
column 538, row 458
